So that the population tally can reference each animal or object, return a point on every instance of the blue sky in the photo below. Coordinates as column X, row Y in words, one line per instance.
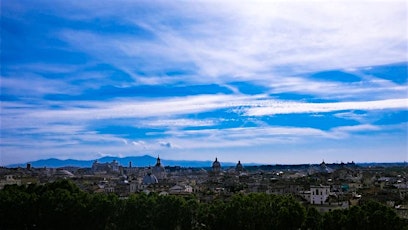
column 266, row 82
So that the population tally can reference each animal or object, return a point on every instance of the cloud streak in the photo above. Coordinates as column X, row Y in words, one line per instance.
column 254, row 38
column 295, row 107
column 209, row 76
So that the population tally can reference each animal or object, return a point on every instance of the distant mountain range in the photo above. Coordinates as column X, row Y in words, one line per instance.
column 137, row 161
column 146, row 160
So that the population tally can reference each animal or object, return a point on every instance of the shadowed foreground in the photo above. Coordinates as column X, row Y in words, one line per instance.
column 62, row 205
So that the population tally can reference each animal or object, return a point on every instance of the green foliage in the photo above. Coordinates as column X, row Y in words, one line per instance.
column 313, row 219
column 371, row 215
column 62, row 205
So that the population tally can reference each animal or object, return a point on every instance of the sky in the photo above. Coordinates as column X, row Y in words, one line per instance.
column 271, row 82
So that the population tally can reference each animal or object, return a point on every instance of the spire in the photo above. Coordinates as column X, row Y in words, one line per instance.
column 158, row 163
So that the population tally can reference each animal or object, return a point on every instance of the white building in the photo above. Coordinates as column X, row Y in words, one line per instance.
column 319, row 194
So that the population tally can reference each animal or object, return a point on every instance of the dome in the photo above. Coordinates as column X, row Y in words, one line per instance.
column 150, row 179
column 158, row 165
column 158, row 170
column 239, row 167
column 323, row 168
column 63, row 173
column 216, row 166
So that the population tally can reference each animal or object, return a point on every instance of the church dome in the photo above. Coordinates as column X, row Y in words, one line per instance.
column 158, row 170
column 324, row 169
column 216, row 165
column 63, row 173
column 150, row 179
column 159, row 165
column 239, row 167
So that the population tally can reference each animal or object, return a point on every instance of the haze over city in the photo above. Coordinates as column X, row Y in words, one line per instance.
column 282, row 82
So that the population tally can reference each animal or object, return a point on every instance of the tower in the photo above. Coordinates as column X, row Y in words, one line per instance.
column 158, row 170
column 216, row 166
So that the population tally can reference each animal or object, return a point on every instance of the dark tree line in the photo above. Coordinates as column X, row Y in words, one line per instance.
column 62, row 205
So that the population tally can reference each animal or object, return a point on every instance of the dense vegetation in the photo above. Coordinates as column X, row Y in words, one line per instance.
column 62, row 205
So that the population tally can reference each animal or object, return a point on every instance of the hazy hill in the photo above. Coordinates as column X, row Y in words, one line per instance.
column 146, row 160
column 137, row 161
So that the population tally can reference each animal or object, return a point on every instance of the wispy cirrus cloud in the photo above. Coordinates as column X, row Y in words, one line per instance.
column 207, row 76
column 247, row 105
column 181, row 122
column 296, row 107
column 255, row 39
column 369, row 87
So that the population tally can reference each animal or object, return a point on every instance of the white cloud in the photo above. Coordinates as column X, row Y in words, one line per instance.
column 279, row 107
column 268, row 42
column 145, row 107
column 269, row 135
column 243, row 137
column 139, row 143
column 271, row 43
column 169, row 112
column 368, row 87
column 243, row 40
column 256, row 138
column 357, row 128
column 179, row 123
column 352, row 116
column 29, row 84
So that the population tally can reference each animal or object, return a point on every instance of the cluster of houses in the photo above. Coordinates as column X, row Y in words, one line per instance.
column 325, row 186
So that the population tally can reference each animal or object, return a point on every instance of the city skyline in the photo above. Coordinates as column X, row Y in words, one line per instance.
column 284, row 82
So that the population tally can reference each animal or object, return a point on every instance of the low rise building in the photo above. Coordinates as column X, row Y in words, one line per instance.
column 319, row 194
column 9, row 180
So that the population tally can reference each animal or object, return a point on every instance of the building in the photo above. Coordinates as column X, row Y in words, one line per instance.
column 61, row 173
column 150, row 179
column 158, row 170
column 319, row 194
column 216, row 166
column 181, row 190
column 130, row 170
column 239, row 168
column 9, row 180
column 107, row 167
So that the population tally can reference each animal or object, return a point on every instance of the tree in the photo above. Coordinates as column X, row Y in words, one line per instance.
column 62, row 205
column 314, row 219
column 335, row 220
column 379, row 216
